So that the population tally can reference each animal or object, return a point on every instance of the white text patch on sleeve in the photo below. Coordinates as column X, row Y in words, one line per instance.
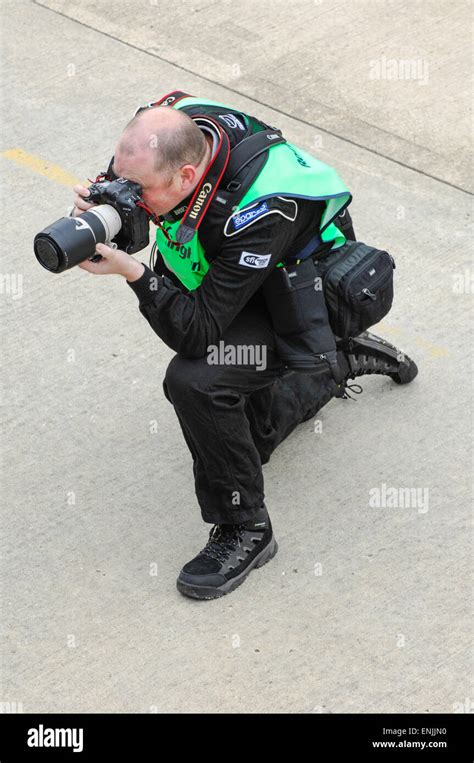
column 254, row 260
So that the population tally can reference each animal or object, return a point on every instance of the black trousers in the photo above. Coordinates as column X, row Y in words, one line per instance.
column 234, row 415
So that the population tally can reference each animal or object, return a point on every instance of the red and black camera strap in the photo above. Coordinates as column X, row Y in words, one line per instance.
column 207, row 186
column 225, row 163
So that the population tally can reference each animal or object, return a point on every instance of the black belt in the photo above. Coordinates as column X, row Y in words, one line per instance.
column 315, row 248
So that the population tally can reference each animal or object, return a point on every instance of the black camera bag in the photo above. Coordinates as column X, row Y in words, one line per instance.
column 358, row 287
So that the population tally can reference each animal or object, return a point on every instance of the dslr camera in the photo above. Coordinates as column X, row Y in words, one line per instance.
column 120, row 219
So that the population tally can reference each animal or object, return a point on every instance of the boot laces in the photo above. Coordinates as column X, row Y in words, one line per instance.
column 223, row 540
column 370, row 362
column 355, row 388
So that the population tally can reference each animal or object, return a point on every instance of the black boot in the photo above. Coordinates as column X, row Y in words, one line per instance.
column 369, row 354
column 231, row 552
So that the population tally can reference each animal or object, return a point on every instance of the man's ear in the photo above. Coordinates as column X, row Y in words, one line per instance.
column 188, row 176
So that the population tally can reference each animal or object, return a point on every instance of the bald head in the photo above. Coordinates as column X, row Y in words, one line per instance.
column 170, row 138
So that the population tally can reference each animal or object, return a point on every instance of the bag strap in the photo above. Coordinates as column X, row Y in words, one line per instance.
column 248, row 149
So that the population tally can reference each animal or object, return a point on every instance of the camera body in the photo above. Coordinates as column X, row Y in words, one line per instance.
column 118, row 218
column 123, row 195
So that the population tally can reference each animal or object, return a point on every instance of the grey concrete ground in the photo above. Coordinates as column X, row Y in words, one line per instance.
column 365, row 608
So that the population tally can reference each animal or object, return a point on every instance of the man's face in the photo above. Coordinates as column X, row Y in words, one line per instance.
column 158, row 194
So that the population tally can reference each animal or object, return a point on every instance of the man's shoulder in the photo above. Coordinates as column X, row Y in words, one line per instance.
column 256, row 212
column 301, row 213
column 234, row 122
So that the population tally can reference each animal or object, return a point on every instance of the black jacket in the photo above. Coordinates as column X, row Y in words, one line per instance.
column 189, row 321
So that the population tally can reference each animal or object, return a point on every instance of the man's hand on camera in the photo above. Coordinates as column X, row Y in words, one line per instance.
column 80, row 204
column 114, row 261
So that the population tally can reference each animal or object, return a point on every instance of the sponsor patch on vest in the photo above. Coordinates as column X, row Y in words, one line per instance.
column 251, row 260
column 241, row 219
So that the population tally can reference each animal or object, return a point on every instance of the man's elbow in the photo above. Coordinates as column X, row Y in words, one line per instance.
column 192, row 350
column 199, row 346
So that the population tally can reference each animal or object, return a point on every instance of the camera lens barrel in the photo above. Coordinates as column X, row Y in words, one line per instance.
column 71, row 240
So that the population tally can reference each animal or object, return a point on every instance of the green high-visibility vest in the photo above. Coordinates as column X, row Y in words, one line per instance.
column 289, row 171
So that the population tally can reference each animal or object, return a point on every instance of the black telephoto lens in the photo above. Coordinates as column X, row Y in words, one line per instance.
column 48, row 254
column 71, row 240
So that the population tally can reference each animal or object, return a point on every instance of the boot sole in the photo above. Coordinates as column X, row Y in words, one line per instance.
column 209, row 592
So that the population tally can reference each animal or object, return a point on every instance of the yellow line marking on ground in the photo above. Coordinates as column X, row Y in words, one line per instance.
column 41, row 166
column 58, row 175
column 433, row 350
